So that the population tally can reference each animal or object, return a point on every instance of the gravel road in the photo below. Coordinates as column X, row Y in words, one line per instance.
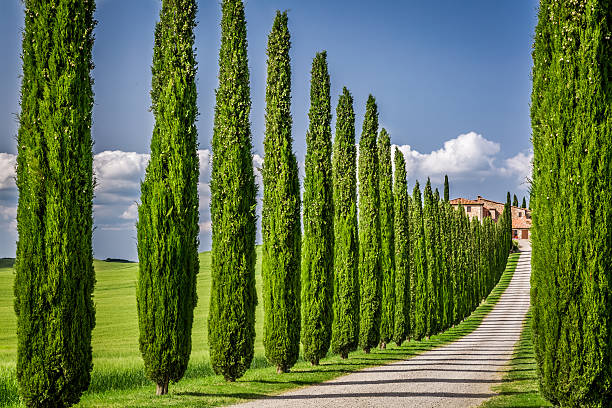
column 459, row 374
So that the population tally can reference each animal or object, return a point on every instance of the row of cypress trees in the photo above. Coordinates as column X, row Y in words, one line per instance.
column 571, row 118
column 398, row 273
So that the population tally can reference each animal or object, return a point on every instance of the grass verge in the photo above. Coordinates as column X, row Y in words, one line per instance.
column 520, row 384
column 119, row 381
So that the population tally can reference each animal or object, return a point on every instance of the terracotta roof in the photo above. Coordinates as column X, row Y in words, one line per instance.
column 464, row 201
column 521, row 222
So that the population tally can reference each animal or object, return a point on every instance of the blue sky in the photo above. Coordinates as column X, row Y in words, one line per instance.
column 452, row 81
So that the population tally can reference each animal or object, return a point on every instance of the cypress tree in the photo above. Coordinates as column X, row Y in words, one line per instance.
column 401, row 203
column 431, row 251
column 318, row 245
column 446, row 189
column 231, row 320
column 168, row 215
column 419, row 261
column 571, row 117
column 387, row 253
column 54, row 277
column 281, row 227
column 345, row 328
column 370, row 277
column 515, row 201
column 524, row 204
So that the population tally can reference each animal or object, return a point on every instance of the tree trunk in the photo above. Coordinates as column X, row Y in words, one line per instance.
column 344, row 355
column 162, row 387
column 315, row 362
column 282, row 369
column 366, row 350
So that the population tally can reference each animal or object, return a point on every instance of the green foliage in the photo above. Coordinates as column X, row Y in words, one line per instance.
column 571, row 119
column 418, row 267
column 168, row 214
column 281, row 228
column 387, row 253
column 345, row 328
column 446, row 189
column 401, row 211
column 370, row 278
column 430, row 207
column 515, row 202
column 231, row 322
column 54, row 276
column 524, row 204
column 318, row 244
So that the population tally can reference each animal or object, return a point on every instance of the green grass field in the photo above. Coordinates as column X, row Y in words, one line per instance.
column 118, row 378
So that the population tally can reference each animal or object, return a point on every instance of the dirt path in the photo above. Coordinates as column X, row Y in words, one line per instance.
column 459, row 374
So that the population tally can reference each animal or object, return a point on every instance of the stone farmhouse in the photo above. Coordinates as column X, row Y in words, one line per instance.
column 481, row 207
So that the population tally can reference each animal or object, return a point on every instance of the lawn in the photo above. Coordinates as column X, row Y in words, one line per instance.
column 118, row 378
column 520, row 385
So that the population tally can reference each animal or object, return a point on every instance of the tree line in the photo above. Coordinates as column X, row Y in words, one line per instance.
column 349, row 273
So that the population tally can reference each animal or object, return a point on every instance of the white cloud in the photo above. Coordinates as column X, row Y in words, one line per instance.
column 7, row 170
column 467, row 155
column 519, row 167
column 205, row 226
column 131, row 213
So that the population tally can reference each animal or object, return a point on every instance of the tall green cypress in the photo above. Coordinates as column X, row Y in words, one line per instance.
column 387, row 253
column 55, row 278
column 571, row 117
column 401, row 206
column 231, row 320
column 515, row 202
column 431, row 251
column 524, row 203
column 419, row 265
column 168, row 214
column 446, row 189
column 318, row 245
column 280, row 221
column 345, row 328
column 370, row 277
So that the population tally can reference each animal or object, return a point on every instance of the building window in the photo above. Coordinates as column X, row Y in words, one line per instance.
column 520, row 214
column 468, row 209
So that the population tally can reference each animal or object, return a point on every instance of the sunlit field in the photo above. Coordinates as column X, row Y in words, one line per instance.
column 118, row 377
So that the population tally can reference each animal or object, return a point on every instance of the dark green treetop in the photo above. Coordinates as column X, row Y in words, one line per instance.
column 318, row 243
column 281, row 226
column 370, row 277
column 54, row 275
column 231, row 320
column 345, row 329
column 387, row 233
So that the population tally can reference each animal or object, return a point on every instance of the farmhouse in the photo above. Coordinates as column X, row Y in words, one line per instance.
column 481, row 207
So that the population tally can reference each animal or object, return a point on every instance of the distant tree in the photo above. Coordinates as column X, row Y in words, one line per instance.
column 387, row 238
column 168, row 214
column 345, row 328
column 433, row 263
column 231, row 320
column 281, row 227
column 54, row 275
column 369, row 231
column 419, row 265
column 402, row 250
column 446, row 189
column 524, row 204
column 515, row 202
column 571, row 118
column 318, row 244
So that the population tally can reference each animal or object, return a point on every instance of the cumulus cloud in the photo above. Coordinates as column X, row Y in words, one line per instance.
column 7, row 171
column 467, row 155
column 519, row 167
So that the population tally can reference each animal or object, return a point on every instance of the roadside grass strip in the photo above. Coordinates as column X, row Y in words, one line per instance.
column 520, row 384
column 118, row 378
